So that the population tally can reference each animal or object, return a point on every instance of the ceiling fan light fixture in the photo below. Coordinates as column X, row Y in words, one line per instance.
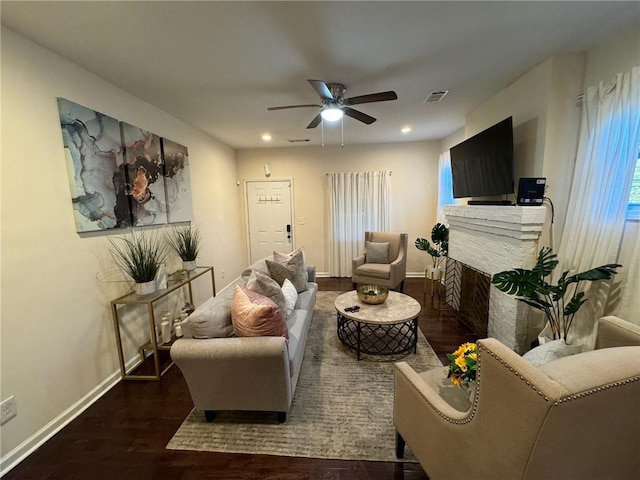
column 332, row 114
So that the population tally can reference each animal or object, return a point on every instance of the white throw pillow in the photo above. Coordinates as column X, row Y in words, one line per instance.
column 290, row 296
column 550, row 351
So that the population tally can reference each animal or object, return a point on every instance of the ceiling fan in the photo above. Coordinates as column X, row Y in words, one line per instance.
column 334, row 105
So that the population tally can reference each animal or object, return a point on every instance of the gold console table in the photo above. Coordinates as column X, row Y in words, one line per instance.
column 148, row 300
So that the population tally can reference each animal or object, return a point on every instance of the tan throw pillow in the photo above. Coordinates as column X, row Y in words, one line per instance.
column 294, row 269
column 376, row 252
column 254, row 315
column 286, row 257
column 265, row 285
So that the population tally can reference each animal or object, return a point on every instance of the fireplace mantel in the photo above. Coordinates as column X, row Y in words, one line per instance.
column 492, row 239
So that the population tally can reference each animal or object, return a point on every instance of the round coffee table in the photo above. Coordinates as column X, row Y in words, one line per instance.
column 390, row 328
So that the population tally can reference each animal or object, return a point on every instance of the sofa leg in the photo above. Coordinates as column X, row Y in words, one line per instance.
column 282, row 417
column 209, row 415
column 400, row 443
column 402, row 286
column 355, row 286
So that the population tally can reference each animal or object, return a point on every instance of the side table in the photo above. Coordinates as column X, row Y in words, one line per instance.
column 149, row 300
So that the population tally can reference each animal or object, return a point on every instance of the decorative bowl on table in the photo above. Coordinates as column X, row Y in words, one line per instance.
column 372, row 294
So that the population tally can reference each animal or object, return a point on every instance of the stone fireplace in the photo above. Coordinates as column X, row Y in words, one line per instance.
column 491, row 239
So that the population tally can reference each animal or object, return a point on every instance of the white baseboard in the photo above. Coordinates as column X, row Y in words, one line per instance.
column 31, row 444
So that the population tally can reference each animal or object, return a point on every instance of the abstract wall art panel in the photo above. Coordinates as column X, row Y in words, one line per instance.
column 145, row 173
column 95, row 164
column 177, row 181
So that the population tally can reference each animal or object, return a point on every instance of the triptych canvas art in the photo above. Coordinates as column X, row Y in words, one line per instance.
column 121, row 175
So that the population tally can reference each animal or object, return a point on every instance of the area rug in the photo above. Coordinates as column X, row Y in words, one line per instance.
column 342, row 408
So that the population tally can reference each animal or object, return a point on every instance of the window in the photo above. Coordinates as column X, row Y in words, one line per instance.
column 633, row 207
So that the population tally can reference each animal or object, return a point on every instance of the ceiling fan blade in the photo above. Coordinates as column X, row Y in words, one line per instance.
column 372, row 97
column 315, row 122
column 363, row 117
column 284, row 107
column 322, row 89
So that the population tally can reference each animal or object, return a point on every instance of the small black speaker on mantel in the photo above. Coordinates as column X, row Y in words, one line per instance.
column 531, row 191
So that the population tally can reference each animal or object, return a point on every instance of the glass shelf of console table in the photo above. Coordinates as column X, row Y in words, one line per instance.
column 175, row 282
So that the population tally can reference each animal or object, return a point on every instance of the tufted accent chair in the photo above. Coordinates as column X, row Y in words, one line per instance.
column 575, row 417
column 390, row 274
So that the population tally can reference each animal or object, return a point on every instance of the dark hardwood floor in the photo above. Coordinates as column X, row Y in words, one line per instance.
column 123, row 435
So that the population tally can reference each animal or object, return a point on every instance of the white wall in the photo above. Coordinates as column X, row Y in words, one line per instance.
column 58, row 345
column 546, row 118
column 615, row 56
column 414, row 184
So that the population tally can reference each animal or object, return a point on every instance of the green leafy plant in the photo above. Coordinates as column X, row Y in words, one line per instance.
column 139, row 255
column 440, row 248
column 185, row 241
column 559, row 302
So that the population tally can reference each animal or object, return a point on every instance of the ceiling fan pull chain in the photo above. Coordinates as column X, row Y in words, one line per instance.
column 342, row 129
column 322, row 132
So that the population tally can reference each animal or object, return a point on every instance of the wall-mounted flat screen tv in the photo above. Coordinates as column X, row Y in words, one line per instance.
column 483, row 165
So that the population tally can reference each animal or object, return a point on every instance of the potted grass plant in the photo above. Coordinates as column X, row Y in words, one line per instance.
column 185, row 241
column 140, row 256
column 559, row 302
column 438, row 251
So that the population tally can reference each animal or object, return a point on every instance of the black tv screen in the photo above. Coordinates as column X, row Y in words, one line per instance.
column 483, row 164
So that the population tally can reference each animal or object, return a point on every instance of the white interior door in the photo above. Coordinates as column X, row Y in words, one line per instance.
column 269, row 218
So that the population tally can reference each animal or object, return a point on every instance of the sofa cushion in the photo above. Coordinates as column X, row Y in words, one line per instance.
column 307, row 299
column 260, row 265
column 293, row 269
column 212, row 318
column 376, row 252
column 254, row 315
column 290, row 296
column 265, row 285
column 298, row 327
column 376, row 270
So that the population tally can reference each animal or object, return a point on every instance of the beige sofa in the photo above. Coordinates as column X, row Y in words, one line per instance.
column 243, row 373
column 575, row 417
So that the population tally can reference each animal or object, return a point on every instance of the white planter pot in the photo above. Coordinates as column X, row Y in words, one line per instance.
column 145, row 288
column 434, row 273
column 189, row 266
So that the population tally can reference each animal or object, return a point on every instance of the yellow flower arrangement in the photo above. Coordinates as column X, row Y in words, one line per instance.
column 462, row 364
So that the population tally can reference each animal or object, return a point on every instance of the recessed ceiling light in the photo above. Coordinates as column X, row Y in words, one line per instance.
column 406, row 129
column 266, row 137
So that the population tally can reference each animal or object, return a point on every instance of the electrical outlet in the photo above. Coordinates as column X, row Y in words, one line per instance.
column 8, row 409
column 222, row 273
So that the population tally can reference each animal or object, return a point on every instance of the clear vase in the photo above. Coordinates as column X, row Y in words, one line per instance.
column 470, row 388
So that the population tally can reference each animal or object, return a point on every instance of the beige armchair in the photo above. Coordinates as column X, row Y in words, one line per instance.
column 371, row 267
column 576, row 417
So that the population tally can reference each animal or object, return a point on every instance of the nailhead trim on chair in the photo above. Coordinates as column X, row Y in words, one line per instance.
column 595, row 390
column 474, row 408
column 447, row 418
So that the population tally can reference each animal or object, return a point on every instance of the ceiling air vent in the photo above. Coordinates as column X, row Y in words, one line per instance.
column 436, row 96
column 298, row 140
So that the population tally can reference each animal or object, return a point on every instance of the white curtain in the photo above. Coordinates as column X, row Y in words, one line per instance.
column 445, row 185
column 358, row 202
column 606, row 158
column 628, row 307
